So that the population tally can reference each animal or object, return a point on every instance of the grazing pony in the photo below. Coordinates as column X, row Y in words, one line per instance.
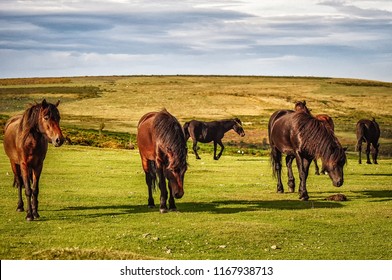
column 206, row 132
column 368, row 131
column 324, row 118
column 303, row 137
column 163, row 152
column 26, row 143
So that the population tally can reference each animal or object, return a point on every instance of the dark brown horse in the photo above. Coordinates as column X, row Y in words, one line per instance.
column 205, row 132
column 301, row 136
column 324, row 118
column 26, row 143
column 163, row 151
column 368, row 131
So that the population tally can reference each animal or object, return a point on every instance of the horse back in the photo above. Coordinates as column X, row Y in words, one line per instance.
column 11, row 134
column 368, row 131
column 199, row 131
column 280, row 130
column 275, row 116
column 145, row 140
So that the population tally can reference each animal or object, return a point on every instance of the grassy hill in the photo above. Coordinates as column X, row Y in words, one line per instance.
column 116, row 104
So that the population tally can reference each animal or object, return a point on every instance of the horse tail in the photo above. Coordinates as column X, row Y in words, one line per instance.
column 186, row 130
column 360, row 135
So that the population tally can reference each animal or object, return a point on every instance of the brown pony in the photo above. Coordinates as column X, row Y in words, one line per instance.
column 301, row 136
column 163, row 151
column 368, row 131
column 324, row 118
column 26, row 143
column 205, row 132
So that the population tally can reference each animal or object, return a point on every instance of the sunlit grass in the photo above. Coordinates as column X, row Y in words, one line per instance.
column 93, row 205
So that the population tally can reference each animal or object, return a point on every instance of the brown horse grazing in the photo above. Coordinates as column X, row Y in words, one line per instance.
column 301, row 136
column 26, row 143
column 205, row 132
column 368, row 131
column 163, row 151
column 324, row 118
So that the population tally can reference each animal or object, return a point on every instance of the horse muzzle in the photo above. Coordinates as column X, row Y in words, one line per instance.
column 338, row 183
column 179, row 194
column 58, row 141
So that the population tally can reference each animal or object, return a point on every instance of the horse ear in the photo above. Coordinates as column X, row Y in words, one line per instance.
column 304, row 102
column 44, row 103
column 57, row 104
column 345, row 149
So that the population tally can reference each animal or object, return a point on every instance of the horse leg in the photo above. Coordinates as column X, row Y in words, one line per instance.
column 317, row 172
column 290, row 175
column 368, row 153
column 221, row 151
column 149, row 171
column 359, row 149
column 303, row 170
column 149, row 182
column 36, row 175
column 28, row 191
column 163, row 189
column 276, row 156
column 375, row 153
column 172, row 204
column 18, row 182
column 194, row 147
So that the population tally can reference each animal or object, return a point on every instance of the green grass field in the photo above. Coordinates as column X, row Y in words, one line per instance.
column 93, row 201
column 94, row 206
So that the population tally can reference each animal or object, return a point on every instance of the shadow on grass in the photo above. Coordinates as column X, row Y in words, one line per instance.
column 378, row 174
column 216, row 207
column 379, row 195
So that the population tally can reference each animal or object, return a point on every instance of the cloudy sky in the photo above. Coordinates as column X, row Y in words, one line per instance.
column 331, row 38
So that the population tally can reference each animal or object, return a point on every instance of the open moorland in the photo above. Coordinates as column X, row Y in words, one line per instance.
column 93, row 197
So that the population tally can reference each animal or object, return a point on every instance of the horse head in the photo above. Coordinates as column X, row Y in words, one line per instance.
column 237, row 127
column 300, row 106
column 334, row 166
column 49, row 123
column 174, row 171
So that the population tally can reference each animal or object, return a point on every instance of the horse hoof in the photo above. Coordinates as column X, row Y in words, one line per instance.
column 151, row 206
column 173, row 209
column 305, row 198
column 36, row 215
column 29, row 218
column 280, row 191
column 163, row 210
column 20, row 209
column 291, row 190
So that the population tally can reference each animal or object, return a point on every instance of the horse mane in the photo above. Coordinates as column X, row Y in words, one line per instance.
column 29, row 121
column 238, row 121
column 317, row 139
column 170, row 135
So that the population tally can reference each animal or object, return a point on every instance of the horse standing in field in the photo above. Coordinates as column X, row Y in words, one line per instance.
column 301, row 136
column 163, row 152
column 205, row 132
column 324, row 118
column 26, row 143
column 368, row 131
